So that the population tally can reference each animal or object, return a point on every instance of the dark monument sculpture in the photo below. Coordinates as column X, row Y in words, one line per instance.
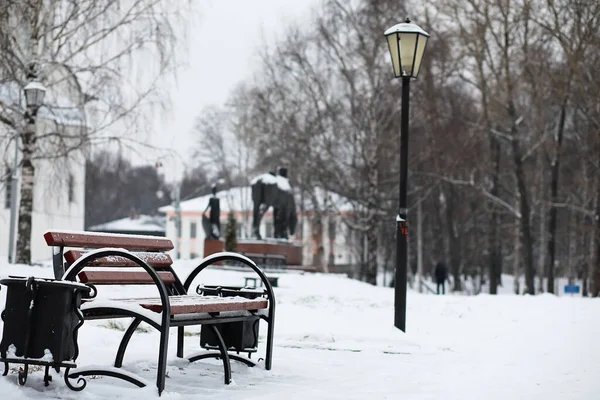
column 274, row 190
column 212, row 223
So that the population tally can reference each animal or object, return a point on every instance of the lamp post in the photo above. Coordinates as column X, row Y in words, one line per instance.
column 406, row 43
column 34, row 98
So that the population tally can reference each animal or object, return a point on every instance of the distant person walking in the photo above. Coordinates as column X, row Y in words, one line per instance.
column 441, row 275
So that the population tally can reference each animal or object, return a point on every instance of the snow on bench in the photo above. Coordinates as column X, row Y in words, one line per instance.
column 191, row 304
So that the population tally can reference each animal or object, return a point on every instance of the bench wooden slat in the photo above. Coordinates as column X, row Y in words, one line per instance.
column 123, row 277
column 189, row 304
column 97, row 240
column 156, row 260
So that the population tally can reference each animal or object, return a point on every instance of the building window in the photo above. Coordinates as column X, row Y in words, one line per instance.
column 193, row 230
column 8, row 186
column 71, row 188
column 193, row 255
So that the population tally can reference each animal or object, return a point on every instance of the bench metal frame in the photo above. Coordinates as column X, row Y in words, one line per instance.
column 166, row 320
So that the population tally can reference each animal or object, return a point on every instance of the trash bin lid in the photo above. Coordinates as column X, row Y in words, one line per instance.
column 45, row 281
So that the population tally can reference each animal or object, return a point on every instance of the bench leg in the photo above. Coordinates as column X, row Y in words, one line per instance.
column 244, row 360
column 47, row 377
column 217, row 355
column 224, row 354
column 80, row 372
column 180, row 339
column 22, row 375
column 162, row 357
column 270, row 333
column 269, row 355
column 125, row 341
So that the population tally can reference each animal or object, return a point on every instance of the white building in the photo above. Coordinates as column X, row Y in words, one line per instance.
column 58, row 203
column 59, row 183
column 332, row 243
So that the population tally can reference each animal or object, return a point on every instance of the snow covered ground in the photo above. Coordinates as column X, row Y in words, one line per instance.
column 334, row 339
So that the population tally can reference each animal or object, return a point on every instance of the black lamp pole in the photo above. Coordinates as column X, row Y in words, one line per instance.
column 400, row 280
column 406, row 42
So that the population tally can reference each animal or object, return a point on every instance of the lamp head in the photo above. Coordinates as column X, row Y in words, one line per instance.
column 34, row 95
column 406, row 43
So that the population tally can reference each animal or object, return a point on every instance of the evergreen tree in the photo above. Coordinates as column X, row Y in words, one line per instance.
column 230, row 232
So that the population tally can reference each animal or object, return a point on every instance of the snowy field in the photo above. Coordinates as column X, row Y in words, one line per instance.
column 334, row 339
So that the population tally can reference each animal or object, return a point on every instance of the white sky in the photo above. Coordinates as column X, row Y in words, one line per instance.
column 222, row 52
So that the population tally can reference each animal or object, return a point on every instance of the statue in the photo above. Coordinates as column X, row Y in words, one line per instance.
column 212, row 223
column 274, row 190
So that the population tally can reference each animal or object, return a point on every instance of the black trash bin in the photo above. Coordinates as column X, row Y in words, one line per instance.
column 241, row 336
column 41, row 318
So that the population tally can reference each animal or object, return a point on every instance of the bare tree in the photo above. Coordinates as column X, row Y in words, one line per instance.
column 216, row 142
column 507, row 110
column 102, row 62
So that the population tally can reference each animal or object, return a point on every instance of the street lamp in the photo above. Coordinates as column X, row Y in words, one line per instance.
column 406, row 43
column 34, row 98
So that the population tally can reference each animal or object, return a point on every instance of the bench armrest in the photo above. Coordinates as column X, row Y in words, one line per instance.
column 230, row 256
column 270, row 318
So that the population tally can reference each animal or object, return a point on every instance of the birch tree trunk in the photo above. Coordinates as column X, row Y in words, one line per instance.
column 524, row 221
column 454, row 240
column 495, row 258
column 572, row 250
column 542, row 259
column 26, row 205
column 420, row 246
column 588, row 277
column 371, row 268
column 558, row 137
column 317, row 237
column 372, row 220
column 517, row 260
column 590, row 235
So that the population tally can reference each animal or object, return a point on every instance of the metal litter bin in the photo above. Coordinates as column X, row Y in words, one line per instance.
column 41, row 319
column 241, row 336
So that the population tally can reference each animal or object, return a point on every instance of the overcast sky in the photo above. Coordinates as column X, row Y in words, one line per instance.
column 223, row 51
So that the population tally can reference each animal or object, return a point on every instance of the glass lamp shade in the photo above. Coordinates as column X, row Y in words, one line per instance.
column 407, row 43
column 34, row 95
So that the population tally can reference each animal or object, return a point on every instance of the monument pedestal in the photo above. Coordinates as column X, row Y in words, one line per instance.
column 292, row 251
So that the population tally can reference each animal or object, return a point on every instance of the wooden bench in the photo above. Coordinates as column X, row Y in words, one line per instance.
column 97, row 259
